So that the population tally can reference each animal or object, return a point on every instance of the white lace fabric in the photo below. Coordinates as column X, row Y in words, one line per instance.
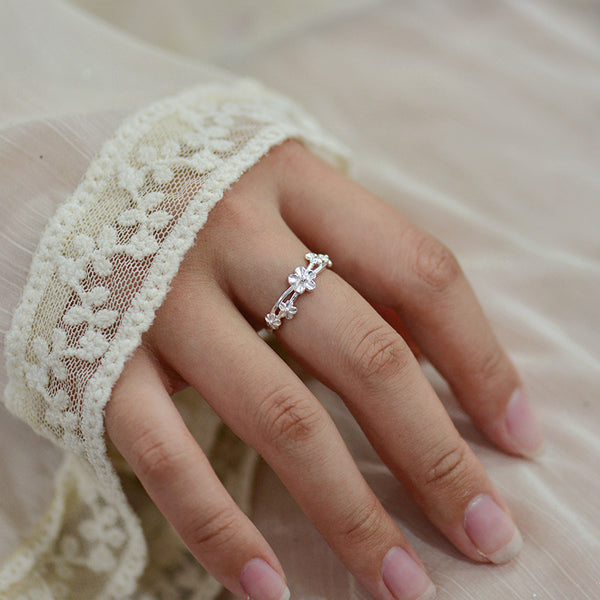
column 102, row 268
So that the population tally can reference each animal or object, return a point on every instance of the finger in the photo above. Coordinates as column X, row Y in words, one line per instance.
column 340, row 338
column 268, row 406
column 392, row 262
column 396, row 321
column 149, row 432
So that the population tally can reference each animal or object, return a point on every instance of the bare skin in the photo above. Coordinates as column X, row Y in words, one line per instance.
column 392, row 289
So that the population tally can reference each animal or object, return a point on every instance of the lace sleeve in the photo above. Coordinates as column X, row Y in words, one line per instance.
column 102, row 268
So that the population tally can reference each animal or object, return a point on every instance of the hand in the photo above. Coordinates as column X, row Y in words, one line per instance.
column 204, row 336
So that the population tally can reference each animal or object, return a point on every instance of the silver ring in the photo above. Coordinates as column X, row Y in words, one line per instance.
column 301, row 280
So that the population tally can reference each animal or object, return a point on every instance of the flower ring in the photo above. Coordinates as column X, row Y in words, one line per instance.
column 301, row 280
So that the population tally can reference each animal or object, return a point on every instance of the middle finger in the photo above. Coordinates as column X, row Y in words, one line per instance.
column 350, row 347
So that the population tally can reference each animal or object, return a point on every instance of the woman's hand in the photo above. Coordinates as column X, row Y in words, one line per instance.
column 204, row 336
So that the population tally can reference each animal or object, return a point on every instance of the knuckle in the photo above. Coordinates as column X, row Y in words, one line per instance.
column 236, row 213
column 491, row 367
column 434, row 264
column 449, row 467
column 212, row 530
column 362, row 525
column 155, row 457
column 287, row 162
column 288, row 155
column 379, row 354
column 288, row 417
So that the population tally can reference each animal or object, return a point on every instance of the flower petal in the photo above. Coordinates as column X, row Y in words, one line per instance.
column 150, row 200
column 162, row 174
column 141, row 245
column 101, row 265
column 105, row 318
column 92, row 345
column 159, row 219
column 131, row 217
column 98, row 296
column 77, row 315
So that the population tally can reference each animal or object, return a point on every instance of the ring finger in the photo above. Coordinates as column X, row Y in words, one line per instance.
column 269, row 407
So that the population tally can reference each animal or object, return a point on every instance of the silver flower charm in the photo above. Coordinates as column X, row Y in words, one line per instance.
column 288, row 310
column 273, row 321
column 318, row 259
column 302, row 279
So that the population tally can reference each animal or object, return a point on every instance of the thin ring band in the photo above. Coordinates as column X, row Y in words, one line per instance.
column 301, row 280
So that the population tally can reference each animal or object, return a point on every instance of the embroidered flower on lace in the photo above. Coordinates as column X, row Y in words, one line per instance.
column 99, row 251
column 71, row 271
column 57, row 414
column 95, row 542
column 147, row 221
column 100, row 319
column 105, row 538
column 158, row 161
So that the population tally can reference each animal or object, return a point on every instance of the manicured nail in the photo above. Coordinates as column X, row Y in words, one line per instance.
column 404, row 578
column 523, row 426
column 261, row 582
column 492, row 530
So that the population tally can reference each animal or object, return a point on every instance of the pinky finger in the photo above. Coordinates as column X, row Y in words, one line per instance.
column 147, row 429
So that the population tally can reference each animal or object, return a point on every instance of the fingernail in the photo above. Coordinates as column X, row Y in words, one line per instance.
column 492, row 530
column 404, row 578
column 261, row 582
column 523, row 426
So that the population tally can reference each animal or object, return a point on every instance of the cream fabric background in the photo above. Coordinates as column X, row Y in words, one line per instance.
column 480, row 120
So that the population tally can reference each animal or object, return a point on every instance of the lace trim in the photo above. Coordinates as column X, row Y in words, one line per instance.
column 82, row 531
column 103, row 267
